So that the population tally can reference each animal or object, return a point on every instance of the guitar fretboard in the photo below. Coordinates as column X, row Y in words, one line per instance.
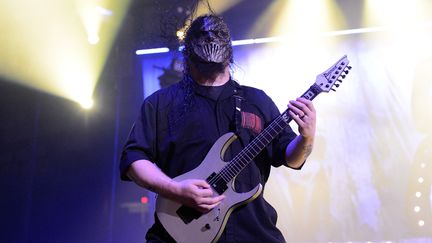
column 242, row 159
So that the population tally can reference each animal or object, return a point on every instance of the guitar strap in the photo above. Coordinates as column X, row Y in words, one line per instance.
column 238, row 110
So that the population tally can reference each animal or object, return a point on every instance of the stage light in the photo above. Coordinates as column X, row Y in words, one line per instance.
column 420, row 180
column 418, row 194
column 258, row 41
column 87, row 104
column 93, row 17
column 55, row 56
column 216, row 5
column 203, row 8
column 144, row 200
column 180, row 34
column 416, row 209
column 405, row 23
column 93, row 39
column 402, row 15
column 243, row 42
column 297, row 19
column 152, row 51
column 421, row 223
column 103, row 11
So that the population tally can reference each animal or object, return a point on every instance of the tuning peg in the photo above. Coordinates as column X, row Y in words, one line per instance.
column 333, row 89
column 339, row 80
column 346, row 71
column 349, row 67
column 343, row 76
column 337, row 85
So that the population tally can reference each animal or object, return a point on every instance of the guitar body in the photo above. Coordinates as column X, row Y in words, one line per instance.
column 205, row 227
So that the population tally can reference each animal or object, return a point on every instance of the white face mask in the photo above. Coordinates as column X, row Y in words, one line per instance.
column 211, row 41
column 211, row 52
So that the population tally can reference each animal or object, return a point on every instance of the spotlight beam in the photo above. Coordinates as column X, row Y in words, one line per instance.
column 276, row 39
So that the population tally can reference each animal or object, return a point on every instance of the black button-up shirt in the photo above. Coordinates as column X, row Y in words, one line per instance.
column 178, row 125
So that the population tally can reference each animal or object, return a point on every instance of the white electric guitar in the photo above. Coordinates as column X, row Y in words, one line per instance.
column 187, row 225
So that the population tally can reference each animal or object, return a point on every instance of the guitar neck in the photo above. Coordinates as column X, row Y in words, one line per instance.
column 239, row 162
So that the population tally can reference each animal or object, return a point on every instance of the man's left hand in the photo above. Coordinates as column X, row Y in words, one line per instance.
column 304, row 114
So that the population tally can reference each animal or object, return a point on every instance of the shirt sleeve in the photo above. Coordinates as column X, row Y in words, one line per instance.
column 140, row 144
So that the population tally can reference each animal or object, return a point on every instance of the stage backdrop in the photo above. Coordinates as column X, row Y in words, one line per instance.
column 369, row 176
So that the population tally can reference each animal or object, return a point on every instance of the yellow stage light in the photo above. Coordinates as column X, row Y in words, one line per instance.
column 93, row 39
column 47, row 44
column 405, row 22
column 297, row 18
column 180, row 34
column 87, row 104
column 216, row 5
column 203, row 8
column 396, row 14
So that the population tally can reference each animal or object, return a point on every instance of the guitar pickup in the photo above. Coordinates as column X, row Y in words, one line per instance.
column 218, row 184
column 187, row 214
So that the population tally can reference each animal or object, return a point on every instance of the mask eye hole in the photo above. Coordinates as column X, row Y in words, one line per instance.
column 217, row 33
column 221, row 34
column 203, row 33
column 213, row 33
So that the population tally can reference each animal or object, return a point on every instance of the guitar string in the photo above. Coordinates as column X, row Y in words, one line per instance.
column 268, row 137
column 238, row 159
column 236, row 164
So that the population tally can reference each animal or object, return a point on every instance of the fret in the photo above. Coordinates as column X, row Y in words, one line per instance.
column 324, row 82
column 236, row 165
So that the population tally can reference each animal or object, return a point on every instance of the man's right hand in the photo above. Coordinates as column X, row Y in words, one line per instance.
column 191, row 192
column 197, row 194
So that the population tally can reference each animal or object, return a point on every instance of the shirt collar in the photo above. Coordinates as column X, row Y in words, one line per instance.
column 230, row 88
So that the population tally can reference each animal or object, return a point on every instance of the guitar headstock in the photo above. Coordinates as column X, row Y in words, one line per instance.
column 336, row 73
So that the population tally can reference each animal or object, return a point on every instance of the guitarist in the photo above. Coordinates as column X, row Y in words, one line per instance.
column 178, row 125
